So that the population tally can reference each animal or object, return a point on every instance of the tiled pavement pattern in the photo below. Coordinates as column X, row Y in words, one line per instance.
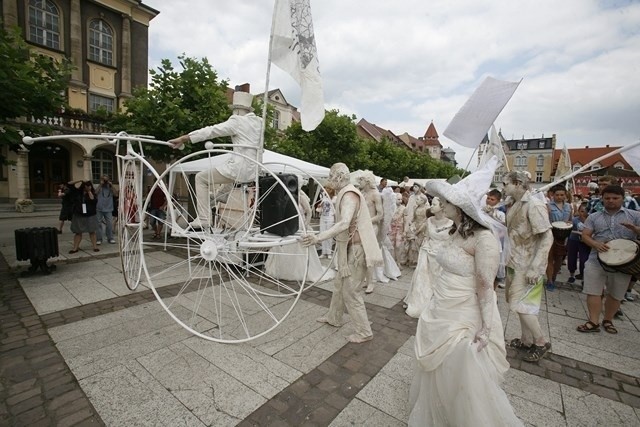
column 363, row 384
column 36, row 386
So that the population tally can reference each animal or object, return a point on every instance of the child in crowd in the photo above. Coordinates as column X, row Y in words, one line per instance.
column 576, row 249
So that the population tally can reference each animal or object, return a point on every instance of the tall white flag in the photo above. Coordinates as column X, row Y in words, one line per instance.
column 293, row 49
column 632, row 156
column 471, row 123
column 564, row 168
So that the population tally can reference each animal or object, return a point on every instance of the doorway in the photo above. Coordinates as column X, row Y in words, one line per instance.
column 48, row 166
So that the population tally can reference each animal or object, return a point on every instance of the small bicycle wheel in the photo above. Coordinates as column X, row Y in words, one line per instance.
column 130, row 220
column 212, row 280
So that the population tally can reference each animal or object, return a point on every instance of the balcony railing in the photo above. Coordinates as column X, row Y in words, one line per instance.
column 71, row 123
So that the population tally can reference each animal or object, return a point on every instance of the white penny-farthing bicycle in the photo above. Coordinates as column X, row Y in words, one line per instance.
column 212, row 281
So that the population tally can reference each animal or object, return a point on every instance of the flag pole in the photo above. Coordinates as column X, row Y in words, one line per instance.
column 587, row 166
column 265, row 96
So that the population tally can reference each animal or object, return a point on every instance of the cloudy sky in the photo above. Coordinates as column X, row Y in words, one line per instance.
column 406, row 63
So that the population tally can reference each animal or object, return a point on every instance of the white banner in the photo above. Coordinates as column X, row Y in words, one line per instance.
column 471, row 123
column 632, row 156
column 293, row 49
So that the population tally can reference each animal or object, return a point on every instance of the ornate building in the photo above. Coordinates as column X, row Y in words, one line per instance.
column 534, row 155
column 107, row 42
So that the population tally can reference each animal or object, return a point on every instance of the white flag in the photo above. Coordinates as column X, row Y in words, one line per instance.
column 565, row 168
column 632, row 156
column 471, row 123
column 494, row 148
column 293, row 49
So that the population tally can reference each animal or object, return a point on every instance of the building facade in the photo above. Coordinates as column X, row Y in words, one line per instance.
column 107, row 42
column 534, row 155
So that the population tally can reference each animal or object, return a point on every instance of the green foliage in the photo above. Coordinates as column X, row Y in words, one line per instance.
column 336, row 140
column 175, row 103
column 31, row 85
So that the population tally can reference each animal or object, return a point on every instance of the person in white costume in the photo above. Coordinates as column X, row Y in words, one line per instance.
column 390, row 269
column 244, row 129
column 356, row 249
column 428, row 269
column 327, row 219
column 396, row 232
column 460, row 350
column 366, row 182
column 415, row 227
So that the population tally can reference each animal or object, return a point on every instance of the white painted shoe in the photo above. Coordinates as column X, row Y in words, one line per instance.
column 369, row 289
column 197, row 224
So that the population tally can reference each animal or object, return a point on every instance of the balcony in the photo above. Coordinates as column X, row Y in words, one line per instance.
column 71, row 122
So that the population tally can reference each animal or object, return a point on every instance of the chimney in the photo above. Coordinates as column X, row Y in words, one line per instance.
column 245, row 87
column 586, row 146
column 607, row 145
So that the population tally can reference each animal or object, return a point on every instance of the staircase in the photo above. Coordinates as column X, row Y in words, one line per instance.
column 42, row 206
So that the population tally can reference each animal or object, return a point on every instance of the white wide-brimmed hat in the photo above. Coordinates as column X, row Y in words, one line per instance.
column 242, row 100
column 468, row 192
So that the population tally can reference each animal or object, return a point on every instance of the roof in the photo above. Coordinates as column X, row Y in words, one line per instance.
column 412, row 142
column 377, row 133
column 431, row 136
column 582, row 156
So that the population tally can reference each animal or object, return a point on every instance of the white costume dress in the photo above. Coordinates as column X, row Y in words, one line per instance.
column 327, row 219
column 454, row 383
column 428, row 268
column 390, row 269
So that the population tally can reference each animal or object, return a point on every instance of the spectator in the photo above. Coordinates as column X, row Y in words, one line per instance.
column 104, row 209
column 595, row 204
column 66, row 211
column 559, row 211
column 84, row 214
column 383, row 184
column 630, row 202
column 157, row 211
column 577, row 250
column 613, row 222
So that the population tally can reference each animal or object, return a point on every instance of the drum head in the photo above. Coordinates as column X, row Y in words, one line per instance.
column 620, row 252
column 561, row 225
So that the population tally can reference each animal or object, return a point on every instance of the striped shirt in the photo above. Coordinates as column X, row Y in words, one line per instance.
column 606, row 226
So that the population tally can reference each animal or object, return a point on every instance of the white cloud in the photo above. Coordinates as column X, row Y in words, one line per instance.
column 402, row 64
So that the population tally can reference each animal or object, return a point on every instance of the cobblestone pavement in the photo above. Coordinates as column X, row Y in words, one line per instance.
column 47, row 378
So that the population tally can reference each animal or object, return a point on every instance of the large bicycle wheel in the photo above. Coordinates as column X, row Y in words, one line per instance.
column 213, row 280
column 130, row 220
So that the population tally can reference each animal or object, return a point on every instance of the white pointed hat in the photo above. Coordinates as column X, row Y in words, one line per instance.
column 468, row 192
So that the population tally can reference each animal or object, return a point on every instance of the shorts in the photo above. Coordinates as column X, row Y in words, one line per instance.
column 596, row 280
column 155, row 215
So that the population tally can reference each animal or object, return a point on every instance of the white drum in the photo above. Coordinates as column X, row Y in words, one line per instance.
column 623, row 256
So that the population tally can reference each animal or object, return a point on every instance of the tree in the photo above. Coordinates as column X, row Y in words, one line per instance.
column 334, row 140
column 175, row 103
column 31, row 85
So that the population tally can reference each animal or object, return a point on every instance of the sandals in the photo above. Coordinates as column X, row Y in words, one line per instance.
column 608, row 327
column 73, row 251
column 537, row 352
column 519, row 345
column 589, row 327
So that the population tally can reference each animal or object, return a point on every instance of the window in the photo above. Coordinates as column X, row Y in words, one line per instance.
column 497, row 177
column 619, row 165
column 100, row 42
column 540, row 161
column 541, row 144
column 97, row 102
column 102, row 164
column 522, row 145
column 44, row 23
column 538, row 176
column 576, row 166
column 521, row 161
column 596, row 166
column 276, row 120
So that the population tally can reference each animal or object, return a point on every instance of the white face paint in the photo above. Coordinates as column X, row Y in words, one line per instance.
column 450, row 210
column 398, row 199
column 436, row 206
column 510, row 189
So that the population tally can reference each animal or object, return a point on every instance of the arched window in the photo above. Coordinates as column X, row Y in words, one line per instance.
column 44, row 23
column 576, row 166
column 102, row 164
column 100, row 42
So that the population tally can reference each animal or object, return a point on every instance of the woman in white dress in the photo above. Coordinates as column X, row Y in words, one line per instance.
column 460, row 349
column 428, row 269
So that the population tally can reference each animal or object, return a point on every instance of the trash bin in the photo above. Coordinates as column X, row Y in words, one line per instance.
column 37, row 244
